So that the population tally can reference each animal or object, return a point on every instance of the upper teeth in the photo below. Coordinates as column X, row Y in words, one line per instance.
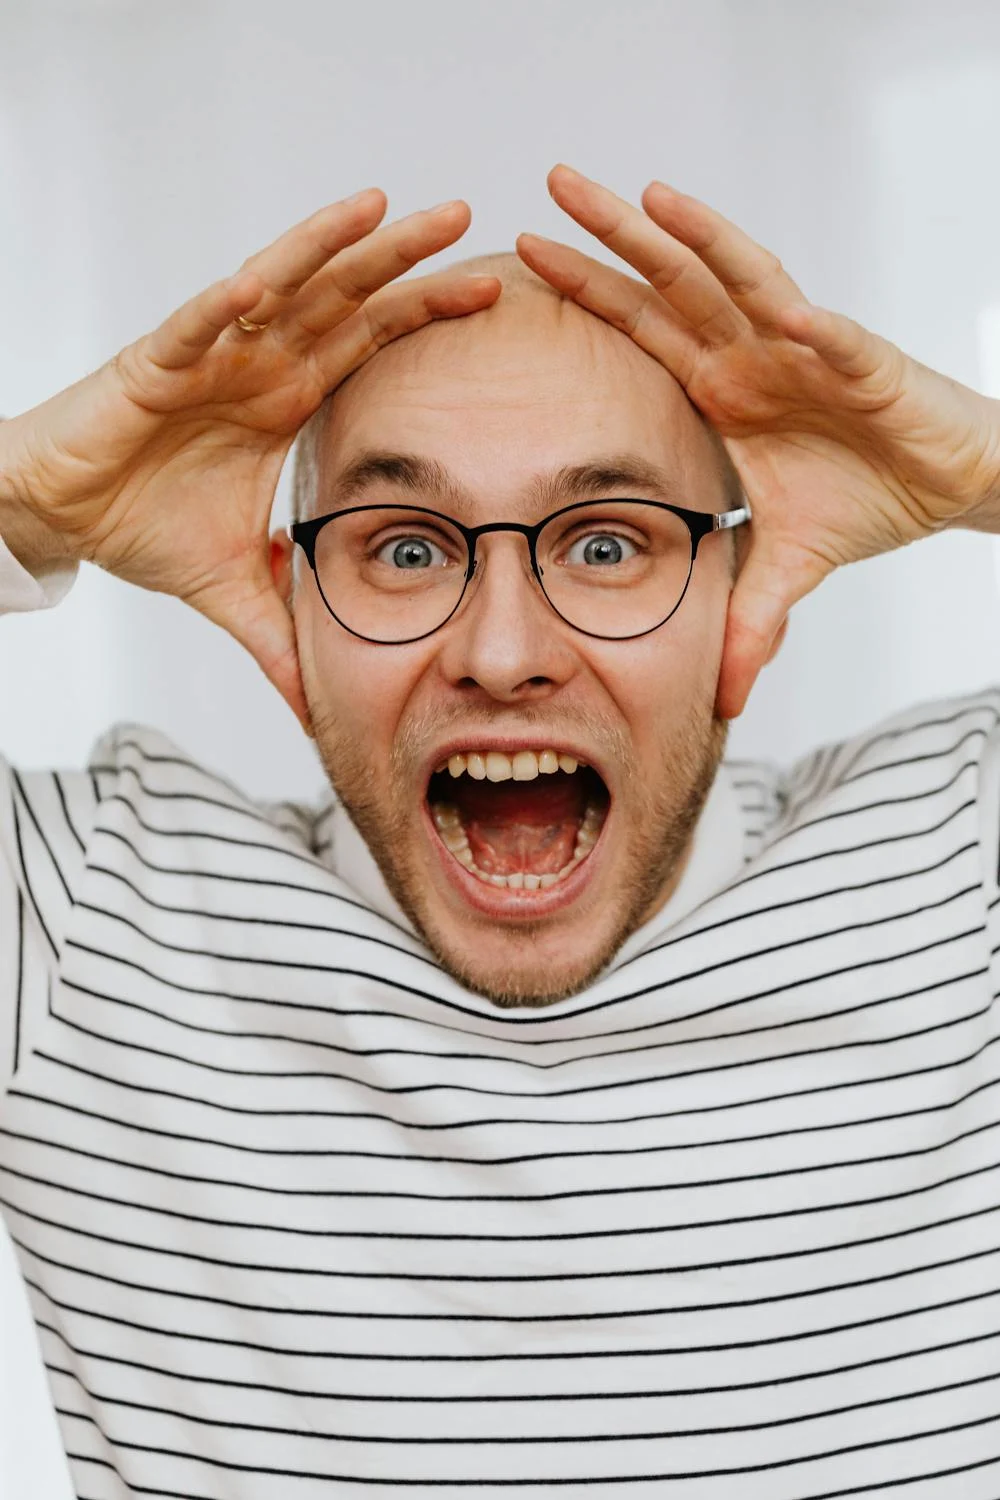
column 525, row 765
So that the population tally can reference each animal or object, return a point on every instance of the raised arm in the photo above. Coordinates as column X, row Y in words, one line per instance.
column 846, row 447
column 162, row 465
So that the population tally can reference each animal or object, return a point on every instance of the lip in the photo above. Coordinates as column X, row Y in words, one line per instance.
column 494, row 901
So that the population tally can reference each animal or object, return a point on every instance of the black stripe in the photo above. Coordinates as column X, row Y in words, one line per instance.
column 805, row 1377
column 453, row 1006
column 23, row 865
column 455, row 1237
column 532, row 1064
column 868, row 807
column 243, row 958
column 879, row 843
column 771, row 907
column 65, row 808
column 891, row 1484
column 491, row 1161
column 801, row 1170
column 282, row 925
column 626, row 1313
column 916, row 760
column 493, row 1481
column 19, row 983
column 640, row 1351
column 410, row 1089
column 508, row 1019
column 239, row 805
column 300, row 856
column 825, row 1088
column 467, row 1277
column 883, row 736
column 266, row 881
column 450, row 1440
column 42, row 839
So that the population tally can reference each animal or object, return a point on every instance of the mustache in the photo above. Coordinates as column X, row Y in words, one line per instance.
column 428, row 728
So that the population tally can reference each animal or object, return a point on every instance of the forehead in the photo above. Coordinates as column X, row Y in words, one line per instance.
column 505, row 396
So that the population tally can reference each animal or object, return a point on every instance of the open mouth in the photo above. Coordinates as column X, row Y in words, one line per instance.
column 524, row 821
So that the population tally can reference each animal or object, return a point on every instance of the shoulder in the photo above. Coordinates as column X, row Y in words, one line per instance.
column 923, row 747
column 165, row 789
column 943, row 751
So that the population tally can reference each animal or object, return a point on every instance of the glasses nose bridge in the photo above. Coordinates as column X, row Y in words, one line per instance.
column 530, row 534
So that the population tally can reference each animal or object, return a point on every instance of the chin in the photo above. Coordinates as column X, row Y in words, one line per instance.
column 521, row 968
column 523, row 860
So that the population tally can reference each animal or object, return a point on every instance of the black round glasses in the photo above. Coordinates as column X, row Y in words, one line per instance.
column 612, row 569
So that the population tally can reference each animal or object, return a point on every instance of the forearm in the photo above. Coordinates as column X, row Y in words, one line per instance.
column 35, row 545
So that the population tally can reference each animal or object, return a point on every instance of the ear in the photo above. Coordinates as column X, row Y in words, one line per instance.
column 282, row 551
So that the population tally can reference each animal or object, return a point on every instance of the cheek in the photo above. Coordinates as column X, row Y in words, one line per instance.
column 356, row 688
column 665, row 683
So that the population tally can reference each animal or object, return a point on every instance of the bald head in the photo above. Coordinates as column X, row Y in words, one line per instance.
column 530, row 331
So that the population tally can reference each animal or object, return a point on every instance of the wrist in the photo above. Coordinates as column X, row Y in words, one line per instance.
column 35, row 545
column 984, row 513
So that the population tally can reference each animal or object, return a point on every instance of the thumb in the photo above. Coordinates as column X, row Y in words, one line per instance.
column 764, row 592
column 261, row 621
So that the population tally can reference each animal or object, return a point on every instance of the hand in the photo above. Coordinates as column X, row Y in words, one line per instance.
column 162, row 465
column 845, row 446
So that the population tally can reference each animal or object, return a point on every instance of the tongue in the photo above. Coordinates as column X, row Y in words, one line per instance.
column 529, row 826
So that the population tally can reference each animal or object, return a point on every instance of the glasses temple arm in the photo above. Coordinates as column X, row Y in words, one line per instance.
column 730, row 518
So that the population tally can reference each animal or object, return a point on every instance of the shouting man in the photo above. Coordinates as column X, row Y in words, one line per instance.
column 558, row 1105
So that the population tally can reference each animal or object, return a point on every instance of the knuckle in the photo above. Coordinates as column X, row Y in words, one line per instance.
column 752, row 283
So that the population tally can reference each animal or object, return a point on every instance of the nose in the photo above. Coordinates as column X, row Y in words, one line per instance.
column 506, row 640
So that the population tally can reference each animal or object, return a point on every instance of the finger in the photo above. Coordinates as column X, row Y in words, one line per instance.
column 286, row 265
column 398, row 310
column 365, row 268
column 258, row 618
column 758, row 606
column 193, row 328
column 775, row 574
column 753, row 277
column 843, row 344
column 620, row 300
column 670, row 267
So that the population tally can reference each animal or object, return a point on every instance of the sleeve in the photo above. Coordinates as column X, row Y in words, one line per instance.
column 45, row 823
column 43, row 819
column 21, row 590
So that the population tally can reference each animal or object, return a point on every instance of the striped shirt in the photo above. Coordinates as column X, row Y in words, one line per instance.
column 298, row 1215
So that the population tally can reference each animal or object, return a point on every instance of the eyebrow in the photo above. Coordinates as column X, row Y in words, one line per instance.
column 428, row 477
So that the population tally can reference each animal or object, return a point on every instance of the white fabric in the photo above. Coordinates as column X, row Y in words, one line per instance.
column 32, row 1462
column 21, row 590
column 295, row 1209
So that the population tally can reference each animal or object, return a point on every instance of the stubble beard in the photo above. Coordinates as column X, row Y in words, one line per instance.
column 663, row 816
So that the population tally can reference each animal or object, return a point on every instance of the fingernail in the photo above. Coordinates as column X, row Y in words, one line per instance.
column 443, row 208
column 357, row 197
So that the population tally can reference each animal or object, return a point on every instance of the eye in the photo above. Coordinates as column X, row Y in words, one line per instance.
column 410, row 553
column 601, row 549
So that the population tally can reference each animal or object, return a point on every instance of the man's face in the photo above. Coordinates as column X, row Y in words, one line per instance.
column 503, row 403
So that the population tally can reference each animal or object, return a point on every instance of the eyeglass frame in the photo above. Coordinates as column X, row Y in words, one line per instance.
column 699, row 524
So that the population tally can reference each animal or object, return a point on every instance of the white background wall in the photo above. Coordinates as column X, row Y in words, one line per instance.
column 146, row 148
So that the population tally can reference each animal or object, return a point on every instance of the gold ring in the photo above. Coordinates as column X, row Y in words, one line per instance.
column 248, row 325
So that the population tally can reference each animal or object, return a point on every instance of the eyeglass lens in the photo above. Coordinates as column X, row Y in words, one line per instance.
column 613, row 568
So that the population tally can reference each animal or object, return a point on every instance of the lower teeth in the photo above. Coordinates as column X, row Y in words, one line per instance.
column 453, row 836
